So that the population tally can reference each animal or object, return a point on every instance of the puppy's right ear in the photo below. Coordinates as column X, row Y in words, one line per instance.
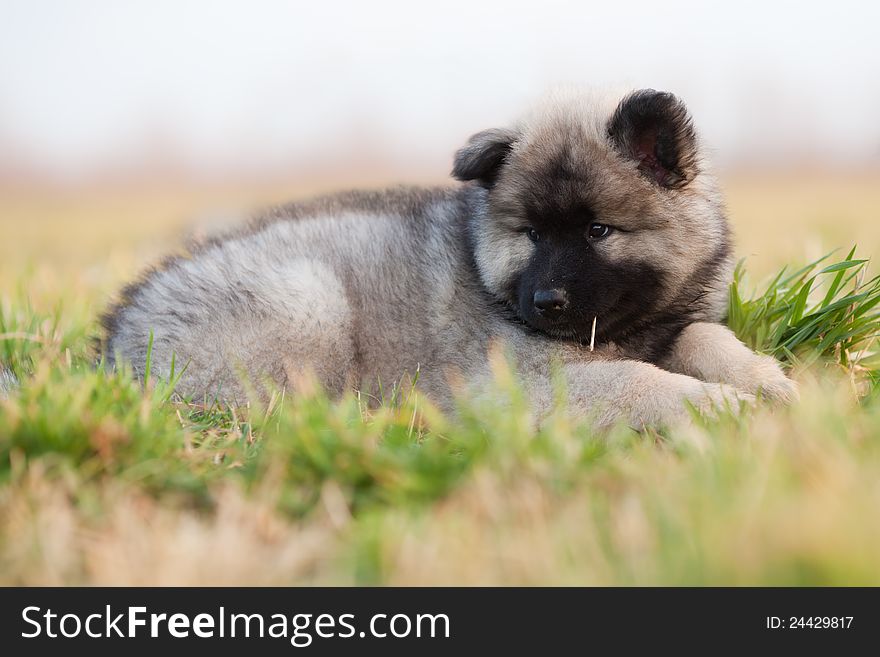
column 482, row 157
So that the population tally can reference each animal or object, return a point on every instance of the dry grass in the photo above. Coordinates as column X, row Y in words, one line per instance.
column 780, row 219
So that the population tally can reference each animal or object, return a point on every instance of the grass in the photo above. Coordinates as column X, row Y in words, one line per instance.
column 103, row 482
column 812, row 314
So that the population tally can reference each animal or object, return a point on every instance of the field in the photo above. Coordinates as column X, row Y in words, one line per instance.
column 102, row 482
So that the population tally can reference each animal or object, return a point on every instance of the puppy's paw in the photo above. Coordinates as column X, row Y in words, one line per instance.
column 713, row 398
column 669, row 403
column 763, row 376
column 711, row 352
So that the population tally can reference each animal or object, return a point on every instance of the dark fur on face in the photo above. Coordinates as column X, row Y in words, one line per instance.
column 600, row 214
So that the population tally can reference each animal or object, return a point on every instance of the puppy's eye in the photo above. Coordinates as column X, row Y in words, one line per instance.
column 533, row 234
column 598, row 231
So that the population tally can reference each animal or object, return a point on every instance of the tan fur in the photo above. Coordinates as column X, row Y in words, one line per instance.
column 711, row 352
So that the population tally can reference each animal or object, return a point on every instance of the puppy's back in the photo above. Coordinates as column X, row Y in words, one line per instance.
column 294, row 290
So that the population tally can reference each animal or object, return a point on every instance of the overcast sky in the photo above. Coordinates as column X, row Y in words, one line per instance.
column 216, row 85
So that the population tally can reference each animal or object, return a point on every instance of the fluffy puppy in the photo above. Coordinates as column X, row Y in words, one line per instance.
column 591, row 234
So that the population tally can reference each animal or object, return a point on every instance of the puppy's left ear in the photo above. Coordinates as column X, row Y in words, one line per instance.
column 481, row 158
column 655, row 129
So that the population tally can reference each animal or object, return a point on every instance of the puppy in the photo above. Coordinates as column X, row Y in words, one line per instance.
column 590, row 236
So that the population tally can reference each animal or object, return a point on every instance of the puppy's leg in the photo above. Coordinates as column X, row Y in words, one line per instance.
column 711, row 352
column 637, row 392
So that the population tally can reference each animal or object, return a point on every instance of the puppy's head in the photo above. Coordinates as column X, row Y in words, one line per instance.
column 590, row 209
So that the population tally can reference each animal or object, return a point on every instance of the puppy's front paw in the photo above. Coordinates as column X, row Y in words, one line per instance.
column 668, row 403
column 711, row 352
column 712, row 398
column 763, row 376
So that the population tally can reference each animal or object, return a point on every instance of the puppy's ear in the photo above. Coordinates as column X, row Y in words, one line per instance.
column 482, row 157
column 655, row 129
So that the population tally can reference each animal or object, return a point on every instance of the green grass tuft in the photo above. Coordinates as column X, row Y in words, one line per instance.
column 814, row 314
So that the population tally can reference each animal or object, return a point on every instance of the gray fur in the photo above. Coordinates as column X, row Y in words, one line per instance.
column 8, row 382
column 365, row 288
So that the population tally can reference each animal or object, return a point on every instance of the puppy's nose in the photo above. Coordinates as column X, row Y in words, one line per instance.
column 550, row 303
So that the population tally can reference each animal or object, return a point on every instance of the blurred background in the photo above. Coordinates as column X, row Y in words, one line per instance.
column 124, row 125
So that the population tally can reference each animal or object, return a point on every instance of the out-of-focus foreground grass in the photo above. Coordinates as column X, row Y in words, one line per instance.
column 104, row 483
